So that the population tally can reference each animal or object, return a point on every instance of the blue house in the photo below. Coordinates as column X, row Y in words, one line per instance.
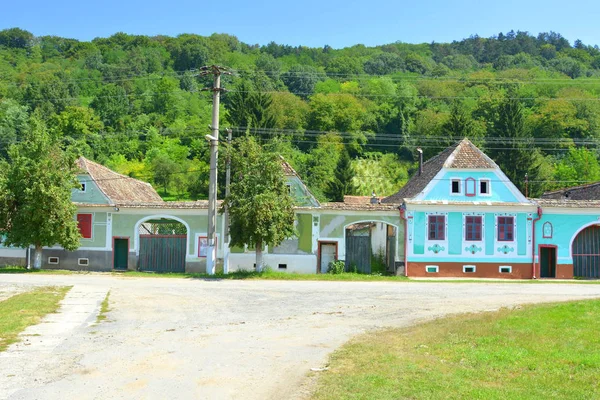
column 465, row 218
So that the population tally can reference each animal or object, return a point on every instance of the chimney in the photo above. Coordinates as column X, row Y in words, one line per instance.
column 374, row 199
column 420, row 160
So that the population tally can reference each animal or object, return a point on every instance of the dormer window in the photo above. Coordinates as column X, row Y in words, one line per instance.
column 455, row 186
column 484, row 186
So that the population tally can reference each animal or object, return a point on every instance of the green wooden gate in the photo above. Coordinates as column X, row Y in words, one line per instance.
column 358, row 250
column 586, row 253
column 391, row 254
column 162, row 253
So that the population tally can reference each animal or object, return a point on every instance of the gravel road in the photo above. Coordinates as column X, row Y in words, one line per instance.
column 197, row 339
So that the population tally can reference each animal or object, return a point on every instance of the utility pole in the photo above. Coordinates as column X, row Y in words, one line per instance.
column 211, row 256
column 227, row 182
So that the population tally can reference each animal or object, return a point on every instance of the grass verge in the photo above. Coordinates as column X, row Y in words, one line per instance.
column 535, row 352
column 16, row 269
column 104, row 308
column 268, row 275
column 25, row 309
column 286, row 276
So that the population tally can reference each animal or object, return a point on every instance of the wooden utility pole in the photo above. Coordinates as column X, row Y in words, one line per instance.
column 211, row 256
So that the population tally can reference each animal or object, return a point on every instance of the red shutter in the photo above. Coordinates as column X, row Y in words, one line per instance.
column 84, row 222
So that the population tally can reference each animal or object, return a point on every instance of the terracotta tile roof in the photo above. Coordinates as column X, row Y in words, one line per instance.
column 584, row 192
column 357, row 199
column 360, row 207
column 462, row 155
column 564, row 203
column 468, row 156
column 117, row 187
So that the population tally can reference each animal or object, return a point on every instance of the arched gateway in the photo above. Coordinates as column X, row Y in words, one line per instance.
column 586, row 253
column 162, row 245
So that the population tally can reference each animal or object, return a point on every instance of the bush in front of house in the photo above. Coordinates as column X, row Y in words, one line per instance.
column 336, row 267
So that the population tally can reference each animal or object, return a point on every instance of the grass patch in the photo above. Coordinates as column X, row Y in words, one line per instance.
column 25, row 309
column 104, row 308
column 267, row 275
column 535, row 352
column 16, row 269
column 286, row 276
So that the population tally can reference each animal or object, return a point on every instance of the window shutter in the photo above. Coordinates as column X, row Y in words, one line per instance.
column 84, row 222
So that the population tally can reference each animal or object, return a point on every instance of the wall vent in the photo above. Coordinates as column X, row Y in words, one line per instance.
column 432, row 269
column 469, row 269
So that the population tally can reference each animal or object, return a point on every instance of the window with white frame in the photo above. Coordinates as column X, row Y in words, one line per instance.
column 436, row 227
column 455, row 186
column 473, row 228
column 506, row 229
column 484, row 187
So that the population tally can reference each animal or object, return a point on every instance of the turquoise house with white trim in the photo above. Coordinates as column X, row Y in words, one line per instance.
column 465, row 218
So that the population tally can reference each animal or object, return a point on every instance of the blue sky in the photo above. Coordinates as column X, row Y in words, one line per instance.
column 310, row 22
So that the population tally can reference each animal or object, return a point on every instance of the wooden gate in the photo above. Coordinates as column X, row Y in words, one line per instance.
column 586, row 253
column 391, row 250
column 163, row 245
column 358, row 250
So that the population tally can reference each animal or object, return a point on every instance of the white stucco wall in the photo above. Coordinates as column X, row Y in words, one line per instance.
column 296, row 263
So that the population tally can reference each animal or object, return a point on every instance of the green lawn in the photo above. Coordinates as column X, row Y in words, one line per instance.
column 536, row 352
column 25, row 309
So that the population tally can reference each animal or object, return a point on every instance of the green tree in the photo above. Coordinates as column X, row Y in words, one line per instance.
column 578, row 166
column 259, row 204
column 342, row 184
column 15, row 38
column 35, row 195
column 460, row 123
column 515, row 154
column 13, row 123
column 250, row 108
column 111, row 104
column 301, row 79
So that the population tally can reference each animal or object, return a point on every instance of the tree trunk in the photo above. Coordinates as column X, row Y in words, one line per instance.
column 37, row 257
column 259, row 257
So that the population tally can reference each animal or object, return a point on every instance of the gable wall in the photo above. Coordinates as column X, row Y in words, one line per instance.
column 92, row 194
column 440, row 188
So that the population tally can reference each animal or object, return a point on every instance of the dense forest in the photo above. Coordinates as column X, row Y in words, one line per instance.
column 349, row 120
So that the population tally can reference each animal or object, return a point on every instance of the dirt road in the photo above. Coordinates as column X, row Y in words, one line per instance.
column 196, row 339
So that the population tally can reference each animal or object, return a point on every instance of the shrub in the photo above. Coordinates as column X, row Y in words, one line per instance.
column 336, row 267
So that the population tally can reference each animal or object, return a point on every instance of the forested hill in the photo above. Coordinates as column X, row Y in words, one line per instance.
column 348, row 119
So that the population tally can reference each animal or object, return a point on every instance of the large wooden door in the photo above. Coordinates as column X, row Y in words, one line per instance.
column 162, row 253
column 327, row 254
column 358, row 250
column 586, row 253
